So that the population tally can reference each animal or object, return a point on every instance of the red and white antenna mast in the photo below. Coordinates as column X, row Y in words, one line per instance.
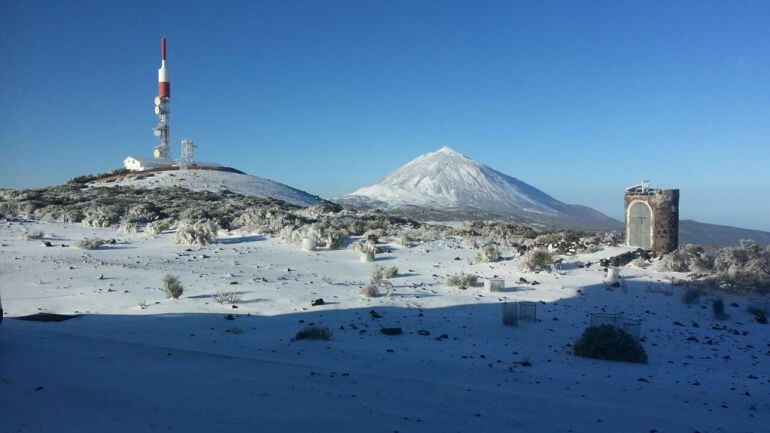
column 162, row 150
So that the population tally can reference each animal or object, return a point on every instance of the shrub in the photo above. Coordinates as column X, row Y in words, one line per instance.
column 143, row 213
column 172, row 287
column 593, row 248
column 506, row 234
column 234, row 330
column 160, row 226
column 462, row 281
column 377, row 281
column 691, row 296
column 370, row 291
column 391, row 272
column 200, row 233
column 129, row 227
column 364, row 246
column 549, row 238
column 403, row 240
column 758, row 313
column 267, row 220
column 32, row 235
column 742, row 282
column 489, row 254
column 314, row 333
column 610, row 343
column 322, row 233
column 90, row 243
column 228, row 297
column 102, row 216
column 687, row 258
column 335, row 239
column 718, row 308
column 537, row 259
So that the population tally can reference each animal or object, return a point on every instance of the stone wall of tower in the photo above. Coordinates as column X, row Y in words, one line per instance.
column 664, row 204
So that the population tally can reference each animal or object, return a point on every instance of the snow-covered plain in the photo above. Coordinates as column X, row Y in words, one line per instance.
column 181, row 365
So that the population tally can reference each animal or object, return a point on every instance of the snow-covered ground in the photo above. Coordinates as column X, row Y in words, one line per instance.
column 181, row 365
column 215, row 181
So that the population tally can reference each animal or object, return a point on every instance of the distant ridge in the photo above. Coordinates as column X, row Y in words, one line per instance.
column 694, row 232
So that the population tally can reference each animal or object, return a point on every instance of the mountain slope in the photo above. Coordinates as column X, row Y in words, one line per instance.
column 694, row 232
column 447, row 185
column 217, row 180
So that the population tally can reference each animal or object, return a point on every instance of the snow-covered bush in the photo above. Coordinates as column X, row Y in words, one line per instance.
column 741, row 269
column 375, row 235
column 370, row 291
column 58, row 213
column 102, row 216
column 402, row 238
column 686, row 258
column 90, row 243
column 32, row 235
column 228, row 297
column 610, row 343
column 128, row 226
column 172, row 286
column 488, row 254
column 323, row 234
column 364, row 246
column 507, row 234
column 427, row 233
column 268, row 220
column 391, row 272
column 549, row 238
column 9, row 209
column 143, row 213
column 747, row 257
column 537, row 259
column 314, row 333
column 160, row 226
column 379, row 280
column 462, row 281
column 191, row 233
column 593, row 248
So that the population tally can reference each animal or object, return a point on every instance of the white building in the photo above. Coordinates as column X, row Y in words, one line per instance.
column 140, row 164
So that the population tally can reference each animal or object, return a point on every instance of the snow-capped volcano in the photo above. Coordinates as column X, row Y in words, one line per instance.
column 447, row 184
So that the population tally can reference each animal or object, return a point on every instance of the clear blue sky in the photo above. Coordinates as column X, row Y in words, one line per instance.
column 578, row 98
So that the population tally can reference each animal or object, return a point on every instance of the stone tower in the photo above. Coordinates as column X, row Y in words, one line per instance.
column 652, row 218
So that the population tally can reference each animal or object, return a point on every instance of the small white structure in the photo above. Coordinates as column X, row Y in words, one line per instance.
column 366, row 257
column 515, row 311
column 494, row 284
column 309, row 244
column 140, row 164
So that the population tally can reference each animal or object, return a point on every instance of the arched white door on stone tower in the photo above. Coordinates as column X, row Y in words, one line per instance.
column 639, row 224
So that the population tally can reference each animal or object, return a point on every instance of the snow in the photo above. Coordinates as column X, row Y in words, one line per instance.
column 215, row 181
column 448, row 180
column 177, row 365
